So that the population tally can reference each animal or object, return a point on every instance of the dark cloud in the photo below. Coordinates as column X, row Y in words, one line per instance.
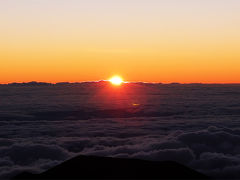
column 5, row 161
column 26, row 154
column 197, row 125
column 181, row 155
column 5, row 142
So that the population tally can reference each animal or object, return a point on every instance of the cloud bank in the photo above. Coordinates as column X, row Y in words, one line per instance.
column 194, row 125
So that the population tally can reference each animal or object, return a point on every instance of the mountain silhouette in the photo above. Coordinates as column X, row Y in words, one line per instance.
column 92, row 167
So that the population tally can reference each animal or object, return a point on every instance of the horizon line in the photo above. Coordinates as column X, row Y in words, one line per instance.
column 97, row 81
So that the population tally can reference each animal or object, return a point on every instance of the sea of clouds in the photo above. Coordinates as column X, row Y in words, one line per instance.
column 197, row 125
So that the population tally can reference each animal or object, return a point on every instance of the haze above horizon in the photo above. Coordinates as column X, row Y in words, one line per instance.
column 165, row 41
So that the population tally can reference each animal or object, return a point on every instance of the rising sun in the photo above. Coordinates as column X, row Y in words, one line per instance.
column 116, row 80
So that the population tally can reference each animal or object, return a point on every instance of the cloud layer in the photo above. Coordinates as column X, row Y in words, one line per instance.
column 195, row 125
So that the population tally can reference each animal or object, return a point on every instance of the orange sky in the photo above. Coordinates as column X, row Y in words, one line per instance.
column 142, row 40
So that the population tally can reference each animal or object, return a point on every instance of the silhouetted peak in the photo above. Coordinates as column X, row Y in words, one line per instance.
column 91, row 167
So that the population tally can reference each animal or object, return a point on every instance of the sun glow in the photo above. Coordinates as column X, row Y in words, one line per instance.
column 116, row 80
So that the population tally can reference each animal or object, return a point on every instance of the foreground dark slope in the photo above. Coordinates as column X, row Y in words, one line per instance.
column 91, row 167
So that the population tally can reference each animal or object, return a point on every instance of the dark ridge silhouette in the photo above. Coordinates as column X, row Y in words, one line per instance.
column 104, row 82
column 33, row 83
column 92, row 167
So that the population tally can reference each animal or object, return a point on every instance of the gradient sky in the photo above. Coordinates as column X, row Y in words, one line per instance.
column 142, row 40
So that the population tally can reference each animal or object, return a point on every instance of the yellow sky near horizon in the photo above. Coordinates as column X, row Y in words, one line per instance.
column 146, row 40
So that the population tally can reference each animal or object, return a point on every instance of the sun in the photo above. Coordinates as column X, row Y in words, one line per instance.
column 116, row 80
